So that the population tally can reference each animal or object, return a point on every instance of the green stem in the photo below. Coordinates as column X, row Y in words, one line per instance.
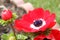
column 13, row 31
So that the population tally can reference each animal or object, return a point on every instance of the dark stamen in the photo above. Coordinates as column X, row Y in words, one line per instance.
column 46, row 39
column 38, row 23
column 28, row 38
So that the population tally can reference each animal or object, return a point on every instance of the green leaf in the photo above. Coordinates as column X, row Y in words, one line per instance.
column 4, row 37
column 12, row 38
column 21, row 36
column 9, row 36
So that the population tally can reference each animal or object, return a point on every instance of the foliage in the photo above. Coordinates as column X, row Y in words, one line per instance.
column 9, row 36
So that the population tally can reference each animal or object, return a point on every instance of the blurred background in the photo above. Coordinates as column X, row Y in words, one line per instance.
column 52, row 5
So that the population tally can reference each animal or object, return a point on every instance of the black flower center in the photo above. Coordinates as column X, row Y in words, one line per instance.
column 46, row 39
column 38, row 23
column 28, row 38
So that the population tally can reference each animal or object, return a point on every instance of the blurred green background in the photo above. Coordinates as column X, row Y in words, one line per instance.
column 52, row 5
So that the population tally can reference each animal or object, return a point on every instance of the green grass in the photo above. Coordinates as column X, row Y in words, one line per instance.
column 52, row 5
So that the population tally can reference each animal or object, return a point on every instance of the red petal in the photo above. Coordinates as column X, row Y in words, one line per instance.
column 49, row 22
column 56, row 34
column 37, row 13
column 39, row 37
column 42, row 36
column 26, row 26
column 52, row 24
column 17, row 25
column 46, row 14
column 27, row 18
column 23, row 25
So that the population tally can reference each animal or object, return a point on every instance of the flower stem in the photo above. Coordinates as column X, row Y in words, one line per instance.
column 13, row 31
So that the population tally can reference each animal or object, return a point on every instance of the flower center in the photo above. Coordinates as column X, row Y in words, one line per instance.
column 38, row 23
column 46, row 39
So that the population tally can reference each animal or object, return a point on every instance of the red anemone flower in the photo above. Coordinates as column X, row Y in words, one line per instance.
column 6, row 15
column 36, row 20
column 54, row 35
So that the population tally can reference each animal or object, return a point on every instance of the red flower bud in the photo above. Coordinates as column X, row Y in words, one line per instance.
column 6, row 15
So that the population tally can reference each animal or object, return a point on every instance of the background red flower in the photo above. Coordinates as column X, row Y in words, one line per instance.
column 54, row 35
